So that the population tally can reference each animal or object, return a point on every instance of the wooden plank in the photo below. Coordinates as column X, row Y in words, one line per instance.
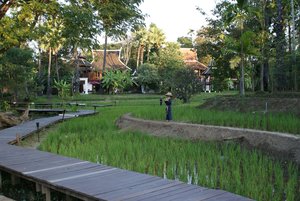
column 195, row 195
column 41, row 164
column 161, row 194
column 42, row 110
column 140, row 190
column 82, row 185
column 29, row 160
column 97, row 179
column 81, row 170
column 128, row 184
column 56, row 169
column 122, row 182
column 229, row 197
column 82, row 177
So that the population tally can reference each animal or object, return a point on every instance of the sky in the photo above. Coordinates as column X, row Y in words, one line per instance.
column 176, row 17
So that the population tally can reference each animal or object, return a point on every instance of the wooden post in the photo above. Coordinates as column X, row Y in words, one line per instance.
column 0, row 180
column 63, row 116
column 68, row 197
column 38, row 187
column 18, row 139
column 14, row 180
column 37, row 130
column 47, row 192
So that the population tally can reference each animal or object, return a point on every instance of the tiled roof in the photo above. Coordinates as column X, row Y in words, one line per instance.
column 191, row 60
column 112, row 60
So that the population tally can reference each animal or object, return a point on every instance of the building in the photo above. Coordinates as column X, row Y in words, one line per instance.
column 191, row 60
column 113, row 61
column 203, row 72
column 90, row 74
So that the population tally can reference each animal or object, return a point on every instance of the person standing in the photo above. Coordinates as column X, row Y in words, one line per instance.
column 168, row 102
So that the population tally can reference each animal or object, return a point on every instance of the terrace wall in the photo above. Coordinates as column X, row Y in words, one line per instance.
column 281, row 145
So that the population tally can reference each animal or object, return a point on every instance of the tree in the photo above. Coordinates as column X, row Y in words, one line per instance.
column 155, row 40
column 116, row 80
column 17, row 72
column 51, row 38
column 169, row 56
column 238, row 14
column 5, row 5
column 185, row 42
column 293, row 48
column 117, row 17
column 19, row 27
column 140, row 36
column 63, row 88
column 167, row 60
column 185, row 84
column 147, row 76
column 280, row 70
column 81, row 28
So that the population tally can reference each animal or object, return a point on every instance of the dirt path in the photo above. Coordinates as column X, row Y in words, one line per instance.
column 281, row 145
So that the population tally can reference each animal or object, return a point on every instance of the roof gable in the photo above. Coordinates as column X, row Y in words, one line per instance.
column 191, row 60
column 112, row 60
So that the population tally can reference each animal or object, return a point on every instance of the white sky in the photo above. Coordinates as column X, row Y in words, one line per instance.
column 176, row 17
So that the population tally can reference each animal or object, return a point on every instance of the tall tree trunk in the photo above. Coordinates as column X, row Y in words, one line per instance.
column 293, row 47
column 127, row 51
column 142, row 54
column 138, row 56
column 56, row 67
column 40, row 62
column 267, row 23
column 242, row 70
column 76, row 77
column 262, row 76
column 242, row 77
column 49, row 74
column 266, row 75
column 104, row 54
column 253, row 78
column 4, row 7
column 263, row 45
column 148, row 54
column 280, row 70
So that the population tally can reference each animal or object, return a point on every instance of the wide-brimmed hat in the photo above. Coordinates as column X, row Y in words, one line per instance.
column 169, row 94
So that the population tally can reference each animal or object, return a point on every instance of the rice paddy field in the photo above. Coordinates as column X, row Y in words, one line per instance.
column 227, row 165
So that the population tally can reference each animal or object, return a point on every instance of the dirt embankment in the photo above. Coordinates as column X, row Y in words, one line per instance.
column 282, row 145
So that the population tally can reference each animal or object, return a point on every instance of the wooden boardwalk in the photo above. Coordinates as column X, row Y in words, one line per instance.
column 91, row 181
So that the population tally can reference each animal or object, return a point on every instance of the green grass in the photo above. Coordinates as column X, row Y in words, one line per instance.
column 287, row 123
column 217, row 165
column 147, row 107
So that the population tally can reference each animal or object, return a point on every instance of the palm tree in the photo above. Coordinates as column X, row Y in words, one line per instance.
column 155, row 39
column 141, row 38
column 237, row 14
column 51, row 41
column 263, row 37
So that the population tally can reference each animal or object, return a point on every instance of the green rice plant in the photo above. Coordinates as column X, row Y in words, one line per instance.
column 292, row 189
column 217, row 165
